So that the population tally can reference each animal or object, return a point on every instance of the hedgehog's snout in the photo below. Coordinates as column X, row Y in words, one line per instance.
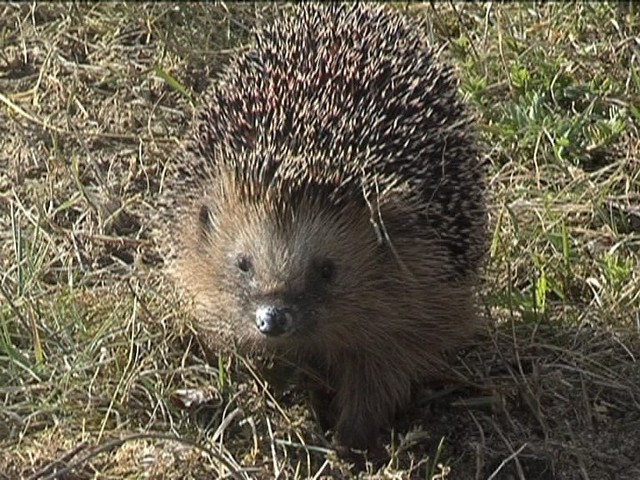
column 274, row 321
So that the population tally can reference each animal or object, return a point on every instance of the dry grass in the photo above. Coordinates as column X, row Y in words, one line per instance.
column 99, row 375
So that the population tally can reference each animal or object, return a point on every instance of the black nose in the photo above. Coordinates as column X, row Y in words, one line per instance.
column 273, row 321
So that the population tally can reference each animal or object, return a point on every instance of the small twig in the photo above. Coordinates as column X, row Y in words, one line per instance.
column 108, row 135
column 27, row 115
column 504, row 462
column 62, row 460
column 110, row 445
column 274, row 456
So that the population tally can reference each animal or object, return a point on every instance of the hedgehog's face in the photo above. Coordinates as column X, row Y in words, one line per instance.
column 281, row 277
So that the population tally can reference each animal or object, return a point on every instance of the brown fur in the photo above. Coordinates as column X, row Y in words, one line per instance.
column 404, row 234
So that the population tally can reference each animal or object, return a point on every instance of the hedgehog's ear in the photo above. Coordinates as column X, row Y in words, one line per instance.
column 204, row 219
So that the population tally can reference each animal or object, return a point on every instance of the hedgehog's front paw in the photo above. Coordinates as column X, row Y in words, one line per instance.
column 359, row 442
column 323, row 408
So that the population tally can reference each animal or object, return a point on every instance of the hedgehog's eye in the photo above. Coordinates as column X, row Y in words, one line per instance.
column 244, row 264
column 204, row 217
column 327, row 270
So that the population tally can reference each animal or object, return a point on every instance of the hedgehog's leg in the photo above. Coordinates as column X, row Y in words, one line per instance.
column 322, row 404
column 368, row 394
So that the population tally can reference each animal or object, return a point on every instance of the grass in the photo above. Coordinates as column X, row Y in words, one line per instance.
column 99, row 374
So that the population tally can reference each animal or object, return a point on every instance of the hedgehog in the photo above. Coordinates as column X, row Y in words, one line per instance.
column 334, row 211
